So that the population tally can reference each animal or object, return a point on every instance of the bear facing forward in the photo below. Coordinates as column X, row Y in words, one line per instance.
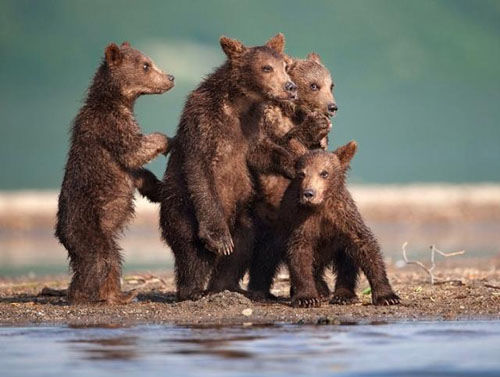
column 321, row 226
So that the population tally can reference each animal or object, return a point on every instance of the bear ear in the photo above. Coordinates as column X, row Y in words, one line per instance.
column 277, row 43
column 113, row 55
column 232, row 47
column 346, row 153
column 288, row 61
column 125, row 44
column 314, row 57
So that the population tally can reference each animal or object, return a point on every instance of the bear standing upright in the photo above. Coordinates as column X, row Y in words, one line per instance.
column 207, row 186
column 301, row 127
column 320, row 226
column 102, row 171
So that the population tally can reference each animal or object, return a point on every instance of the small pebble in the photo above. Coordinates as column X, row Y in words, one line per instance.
column 247, row 312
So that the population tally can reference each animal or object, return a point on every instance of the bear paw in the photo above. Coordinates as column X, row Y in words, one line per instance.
column 160, row 141
column 343, row 296
column 218, row 241
column 343, row 300
column 261, row 296
column 306, row 302
column 387, row 299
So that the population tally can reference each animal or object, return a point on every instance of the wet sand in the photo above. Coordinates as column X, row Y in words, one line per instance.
column 464, row 292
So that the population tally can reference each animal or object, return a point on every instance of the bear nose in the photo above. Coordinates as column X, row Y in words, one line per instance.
column 309, row 194
column 332, row 108
column 171, row 77
column 290, row 87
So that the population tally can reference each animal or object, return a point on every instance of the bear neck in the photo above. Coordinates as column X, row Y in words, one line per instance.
column 227, row 84
column 106, row 92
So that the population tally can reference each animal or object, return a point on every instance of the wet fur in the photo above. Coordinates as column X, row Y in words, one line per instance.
column 207, row 189
column 329, row 233
column 299, row 128
column 102, row 171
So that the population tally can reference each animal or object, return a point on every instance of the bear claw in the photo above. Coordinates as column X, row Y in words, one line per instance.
column 306, row 302
column 343, row 300
column 390, row 299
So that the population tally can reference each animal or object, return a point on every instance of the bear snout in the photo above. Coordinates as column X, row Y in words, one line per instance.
column 332, row 108
column 291, row 88
column 308, row 195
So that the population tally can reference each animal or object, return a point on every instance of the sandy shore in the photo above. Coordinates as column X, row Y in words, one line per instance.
column 453, row 216
column 464, row 293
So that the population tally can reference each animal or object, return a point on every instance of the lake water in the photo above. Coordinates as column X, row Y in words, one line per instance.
column 399, row 349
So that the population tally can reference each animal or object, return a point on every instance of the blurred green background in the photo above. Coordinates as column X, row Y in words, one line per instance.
column 417, row 82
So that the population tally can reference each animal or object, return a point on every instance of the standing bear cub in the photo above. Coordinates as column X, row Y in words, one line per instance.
column 300, row 127
column 103, row 169
column 207, row 188
column 322, row 226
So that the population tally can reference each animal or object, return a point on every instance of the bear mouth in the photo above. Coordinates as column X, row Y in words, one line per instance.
column 308, row 203
column 284, row 96
column 159, row 90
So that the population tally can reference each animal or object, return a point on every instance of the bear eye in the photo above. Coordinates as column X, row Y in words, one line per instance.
column 146, row 66
column 314, row 86
column 331, row 87
column 267, row 68
column 301, row 175
column 323, row 174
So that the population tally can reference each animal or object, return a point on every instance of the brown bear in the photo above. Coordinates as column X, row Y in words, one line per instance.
column 304, row 127
column 320, row 226
column 102, row 171
column 207, row 185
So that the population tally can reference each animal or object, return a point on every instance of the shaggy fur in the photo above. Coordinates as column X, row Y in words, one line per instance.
column 299, row 128
column 102, row 171
column 321, row 227
column 207, row 185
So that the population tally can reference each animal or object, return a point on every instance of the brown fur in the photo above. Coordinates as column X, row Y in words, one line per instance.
column 103, row 169
column 301, row 127
column 321, row 226
column 207, row 186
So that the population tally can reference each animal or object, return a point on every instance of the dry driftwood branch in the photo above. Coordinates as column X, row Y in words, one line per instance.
column 430, row 269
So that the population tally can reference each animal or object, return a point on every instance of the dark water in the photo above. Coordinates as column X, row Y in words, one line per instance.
column 401, row 349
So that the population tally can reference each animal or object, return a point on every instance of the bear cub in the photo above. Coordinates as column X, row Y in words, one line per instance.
column 322, row 227
column 299, row 127
column 103, row 169
column 207, row 188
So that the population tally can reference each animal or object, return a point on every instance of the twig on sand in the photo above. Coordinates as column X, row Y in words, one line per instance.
column 430, row 269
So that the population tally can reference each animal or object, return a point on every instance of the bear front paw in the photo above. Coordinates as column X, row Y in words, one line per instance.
column 343, row 300
column 218, row 241
column 161, row 142
column 306, row 302
column 343, row 296
column 386, row 299
column 316, row 128
column 261, row 296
